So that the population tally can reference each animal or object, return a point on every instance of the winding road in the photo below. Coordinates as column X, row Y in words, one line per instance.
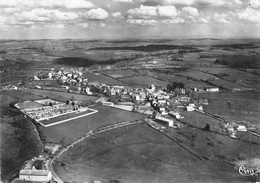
column 49, row 163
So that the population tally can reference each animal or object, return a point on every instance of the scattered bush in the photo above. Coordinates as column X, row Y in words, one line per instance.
column 207, row 127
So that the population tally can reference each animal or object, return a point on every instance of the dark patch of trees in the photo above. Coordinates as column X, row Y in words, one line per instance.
column 175, row 85
column 240, row 61
column 236, row 46
column 11, row 105
column 147, row 48
column 84, row 62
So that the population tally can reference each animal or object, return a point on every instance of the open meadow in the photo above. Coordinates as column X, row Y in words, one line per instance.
column 61, row 96
column 235, row 105
column 65, row 132
column 138, row 153
column 143, row 81
column 19, row 139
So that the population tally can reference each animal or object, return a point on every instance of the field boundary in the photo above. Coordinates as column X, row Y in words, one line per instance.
column 66, row 120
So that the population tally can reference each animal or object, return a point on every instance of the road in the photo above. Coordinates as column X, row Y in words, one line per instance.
column 79, row 139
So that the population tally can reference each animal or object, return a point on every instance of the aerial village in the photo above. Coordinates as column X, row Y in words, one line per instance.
column 163, row 105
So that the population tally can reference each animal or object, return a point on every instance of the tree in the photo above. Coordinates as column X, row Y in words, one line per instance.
column 67, row 102
column 72, row 103
column 207, row 127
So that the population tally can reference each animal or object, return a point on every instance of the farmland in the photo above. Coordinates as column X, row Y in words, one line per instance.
column 142, row 81
column 140, row 154
column 236, row 106
column 66, row 132
column 120, row 73
column 96, row 77
column 136, row 153
column 60, row 96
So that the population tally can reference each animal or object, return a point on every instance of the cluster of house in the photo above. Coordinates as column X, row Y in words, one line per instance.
column 239, row 126
column 10, row 87
column 65, row 75
column 233, row 128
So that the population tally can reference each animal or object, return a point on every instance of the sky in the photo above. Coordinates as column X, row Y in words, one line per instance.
column 129, row 19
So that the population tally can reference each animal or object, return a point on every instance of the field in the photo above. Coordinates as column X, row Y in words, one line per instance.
column 19, row 140
column 23, row 95
column 235, row 76
column 197, row 75
column 235, row 105
column 96, row 77
column 144, row 81
column 217, row 147
column 66, row 132
column 120, row 73
column 173, row 76
column 228, row 85
column 28, row 104
column 61, row 96
column 138, row 153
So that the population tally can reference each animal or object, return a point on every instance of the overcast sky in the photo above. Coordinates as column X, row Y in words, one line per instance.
column 92, row 19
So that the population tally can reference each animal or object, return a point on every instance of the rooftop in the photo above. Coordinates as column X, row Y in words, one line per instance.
column 34, row 172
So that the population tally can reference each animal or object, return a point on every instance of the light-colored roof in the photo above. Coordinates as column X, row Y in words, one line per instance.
column 34, row 172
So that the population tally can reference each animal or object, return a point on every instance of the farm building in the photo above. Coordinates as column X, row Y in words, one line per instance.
column 184, row 99
column 35, row 175
column 190, row 107
column 165, row 120
column 215, row 89
column 175, row 115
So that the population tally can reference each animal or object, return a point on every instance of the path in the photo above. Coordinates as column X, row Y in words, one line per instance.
column 77, row 140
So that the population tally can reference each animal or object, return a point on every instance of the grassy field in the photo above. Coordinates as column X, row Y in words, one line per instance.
column 216, row 147
column 200, row 120
column 19, row 140
column 196, row 75
column 138, row 153
column 229, row 85
column 23, row 95
column 143, row 81
column 61, row 96
column 66, row 132
column 235, row 105
column 120, row 73
column 101, row 78
column 172, row 77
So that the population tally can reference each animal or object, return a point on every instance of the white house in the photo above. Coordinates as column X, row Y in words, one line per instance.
column 241, row 128
column 190, row 108
column 216, row 89
column 36, row 78
column 35, row 175
column 137, row 97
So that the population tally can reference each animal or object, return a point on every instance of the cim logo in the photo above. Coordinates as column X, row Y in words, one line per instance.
column 245, row 171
